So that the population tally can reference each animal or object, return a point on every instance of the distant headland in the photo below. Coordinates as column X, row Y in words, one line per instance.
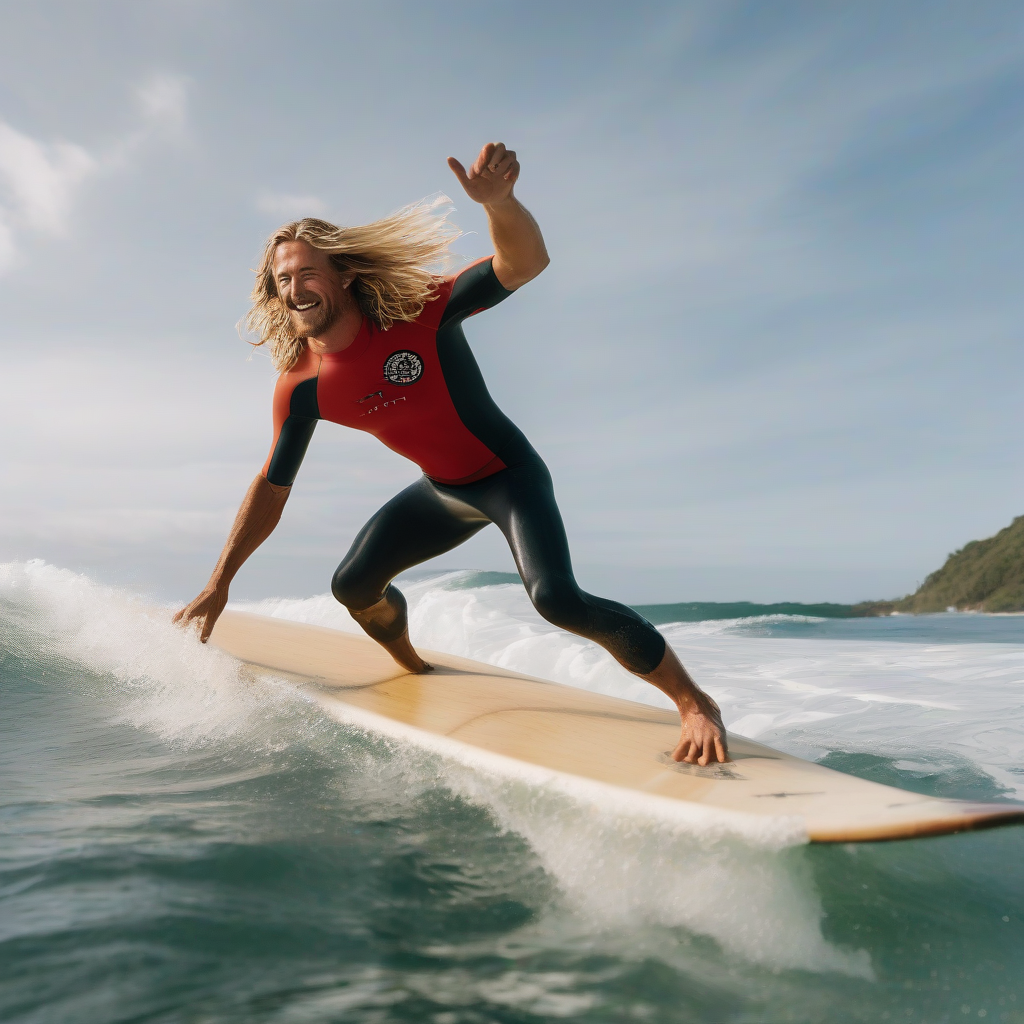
column 983, row 576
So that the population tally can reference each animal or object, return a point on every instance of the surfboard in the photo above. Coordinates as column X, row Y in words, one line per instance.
column 604, row 739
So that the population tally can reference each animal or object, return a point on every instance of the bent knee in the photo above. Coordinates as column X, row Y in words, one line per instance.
column 561, row 603
column 353, row 591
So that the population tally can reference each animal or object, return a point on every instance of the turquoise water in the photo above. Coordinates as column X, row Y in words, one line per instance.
column 184, row 842
column 950, row 628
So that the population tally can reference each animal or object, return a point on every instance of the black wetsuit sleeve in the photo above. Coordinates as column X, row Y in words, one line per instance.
column 294, row 435
column 476, row 288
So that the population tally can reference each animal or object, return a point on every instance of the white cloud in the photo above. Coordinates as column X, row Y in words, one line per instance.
column 279, row 204
column 40, row 181
column 8, row 251
column 163, row 100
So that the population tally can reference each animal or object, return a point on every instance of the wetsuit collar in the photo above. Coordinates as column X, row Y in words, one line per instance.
column 358, row 346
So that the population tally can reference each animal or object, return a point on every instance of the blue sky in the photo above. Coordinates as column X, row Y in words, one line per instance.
column 777, row 355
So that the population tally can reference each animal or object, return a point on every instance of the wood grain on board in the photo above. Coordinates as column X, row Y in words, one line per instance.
column 605, row 739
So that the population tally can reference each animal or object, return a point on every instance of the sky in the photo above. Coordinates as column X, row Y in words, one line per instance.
column 777, row 354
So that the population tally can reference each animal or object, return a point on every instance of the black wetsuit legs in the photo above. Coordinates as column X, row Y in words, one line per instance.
column 428, row 518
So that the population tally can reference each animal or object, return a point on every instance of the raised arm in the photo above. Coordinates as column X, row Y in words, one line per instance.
column 260, row 512
column 519, row 251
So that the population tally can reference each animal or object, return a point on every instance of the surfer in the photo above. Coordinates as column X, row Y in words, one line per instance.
column 363, row 335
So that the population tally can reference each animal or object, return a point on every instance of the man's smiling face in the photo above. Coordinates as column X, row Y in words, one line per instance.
column 312, row 290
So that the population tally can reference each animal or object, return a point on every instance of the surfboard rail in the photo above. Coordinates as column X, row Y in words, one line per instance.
column 604, row 739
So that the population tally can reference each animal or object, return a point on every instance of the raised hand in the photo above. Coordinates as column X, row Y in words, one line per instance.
column 490, row 179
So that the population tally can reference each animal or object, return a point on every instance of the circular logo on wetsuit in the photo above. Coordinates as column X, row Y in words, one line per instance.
column 403, row 368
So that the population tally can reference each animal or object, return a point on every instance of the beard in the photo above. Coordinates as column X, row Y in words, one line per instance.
column 314, row 322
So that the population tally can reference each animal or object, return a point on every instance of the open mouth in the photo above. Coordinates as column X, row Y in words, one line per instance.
column 303, row 306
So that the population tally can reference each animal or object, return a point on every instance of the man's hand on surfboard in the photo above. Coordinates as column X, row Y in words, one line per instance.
column 255, row 521
column 703, row 739
column 203, row 612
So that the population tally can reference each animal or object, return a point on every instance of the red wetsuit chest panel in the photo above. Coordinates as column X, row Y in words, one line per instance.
column 390, row 384
column 415, row 386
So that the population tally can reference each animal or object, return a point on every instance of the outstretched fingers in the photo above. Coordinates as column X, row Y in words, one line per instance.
column 709, row 752
column 202, row 613
column 190, row 617
column 459, row 171
column 721, row 750
column 703, row 740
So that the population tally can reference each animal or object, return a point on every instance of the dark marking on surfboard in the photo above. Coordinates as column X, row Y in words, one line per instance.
column 816, row 792
column 710, row 771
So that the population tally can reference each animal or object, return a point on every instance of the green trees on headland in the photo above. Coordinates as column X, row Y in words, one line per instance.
column 983, row 576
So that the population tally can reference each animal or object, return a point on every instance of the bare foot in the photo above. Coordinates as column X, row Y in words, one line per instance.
column 404, row 653
column 384, row 614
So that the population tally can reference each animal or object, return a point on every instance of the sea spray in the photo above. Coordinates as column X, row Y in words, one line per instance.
column 624, row 865
column 167, row 681
column 626, row 860
column 620, row 860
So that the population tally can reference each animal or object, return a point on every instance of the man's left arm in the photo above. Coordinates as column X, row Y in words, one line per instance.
column 519, row 251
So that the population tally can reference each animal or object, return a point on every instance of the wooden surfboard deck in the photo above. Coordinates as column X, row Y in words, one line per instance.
column 605, row 739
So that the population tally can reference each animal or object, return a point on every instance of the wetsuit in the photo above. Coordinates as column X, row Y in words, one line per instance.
column 418, row 388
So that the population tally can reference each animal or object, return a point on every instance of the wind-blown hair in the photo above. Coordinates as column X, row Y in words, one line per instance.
column 390, row 259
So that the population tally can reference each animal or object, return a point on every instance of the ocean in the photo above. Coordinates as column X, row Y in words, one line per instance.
column 181, row 841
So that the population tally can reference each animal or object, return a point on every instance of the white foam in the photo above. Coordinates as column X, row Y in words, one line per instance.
column 623, row 859
column 165, row 680
column 620, row 859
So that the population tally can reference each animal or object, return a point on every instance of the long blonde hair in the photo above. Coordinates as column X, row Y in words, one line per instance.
column 390, row 259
